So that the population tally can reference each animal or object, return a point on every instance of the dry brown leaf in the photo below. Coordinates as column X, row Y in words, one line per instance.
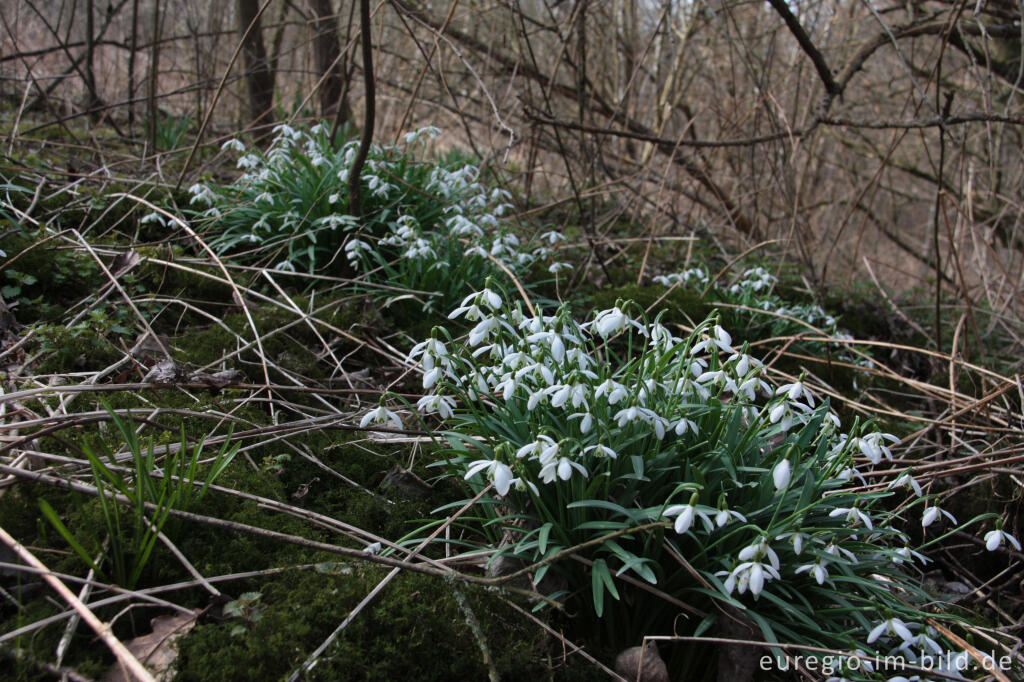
column 157, row 650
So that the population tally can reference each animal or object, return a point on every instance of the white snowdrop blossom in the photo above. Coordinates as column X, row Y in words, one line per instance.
column 612, row 321
column 892, row 627
column 613, row 389
column 561, row 467
column 853, row 516
column 234, row 144
column 933, row 513
column 442, row 405
column 686, row 514
column 817, row 570
column 718, row 339
column 499, row 473
column 781, row 474
column 797, row 539
column 601, row 451
column 725, row 515
column 907, row 481
column 381, row 415
column 153, row 217
column 994, row 539
column 795, row 391
column 873, row 446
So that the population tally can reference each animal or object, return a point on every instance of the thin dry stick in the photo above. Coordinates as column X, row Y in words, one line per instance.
column 124, row 657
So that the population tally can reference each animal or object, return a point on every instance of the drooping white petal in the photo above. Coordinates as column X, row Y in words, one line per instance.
column 781, row 475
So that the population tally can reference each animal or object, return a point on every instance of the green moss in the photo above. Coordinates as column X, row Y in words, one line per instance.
column 413, row 630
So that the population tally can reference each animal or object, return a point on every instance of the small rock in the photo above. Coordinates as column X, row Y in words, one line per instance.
column 642, row 664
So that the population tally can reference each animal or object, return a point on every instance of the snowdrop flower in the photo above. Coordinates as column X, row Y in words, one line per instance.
column 556, row 268
column 562, row 467
column 354, row 249
column 781, row 475
column 234, row 144
column 906, row 554
column 574, row 393
column 440, row 404
column 725, row 514
column 627, row 416
column 751, row 386
column 685, row 515
column 995, row 538
column 482, row 330
column 601, row 451
column 201, row 192
column 907, row 481
column 742, row 363
column 613, row 389
column 873, row 446
column 661, row 337
column 853, row 516
column 837, row 551
column 683, row 425
column 554, row 342
column 498, row 472
column 797, row 539
column 923, row 642
column 552, row 237
column 891, row 627
column 248, row 161
column 784, row 414
column 544, row 449
column 752, row 575
column 818, row 570
column 759, row 550
column 933, row 513
column 285, row 131
column 611, row 321
column 471, row 305
column 586, row 423
column 718, row 338
column 719, row 378
column 795, row 391
column 381, row 415
column 428, row 132
column 433, row 351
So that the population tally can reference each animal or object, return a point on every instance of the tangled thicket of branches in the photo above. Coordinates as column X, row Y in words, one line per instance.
column 848, row 130
column 865, row 142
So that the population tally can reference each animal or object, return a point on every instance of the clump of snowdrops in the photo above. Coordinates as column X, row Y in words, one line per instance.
column 630, row 453
column 754, row 289
column 428, row 226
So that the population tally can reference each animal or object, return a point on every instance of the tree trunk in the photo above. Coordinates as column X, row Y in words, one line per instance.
column 259, row 77
column 329, row 62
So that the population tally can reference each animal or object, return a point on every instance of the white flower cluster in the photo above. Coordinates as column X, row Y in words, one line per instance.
column 753, row 288
column 294, row 192
column 566, row 411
